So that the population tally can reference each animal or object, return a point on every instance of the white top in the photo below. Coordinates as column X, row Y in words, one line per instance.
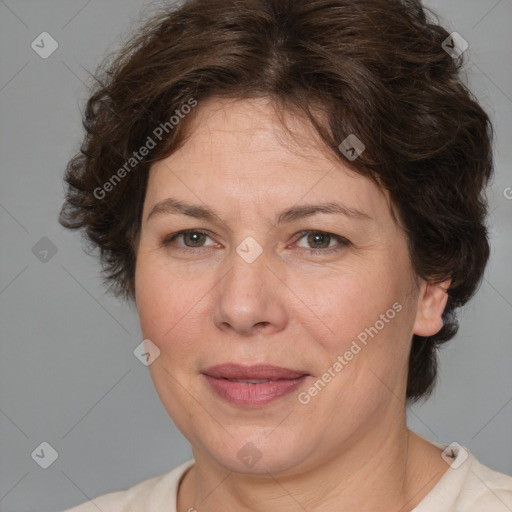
column 467, row 486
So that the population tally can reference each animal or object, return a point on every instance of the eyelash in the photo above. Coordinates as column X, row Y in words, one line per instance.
column 343, row 242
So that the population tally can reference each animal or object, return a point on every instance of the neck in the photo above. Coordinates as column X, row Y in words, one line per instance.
column 392, row 471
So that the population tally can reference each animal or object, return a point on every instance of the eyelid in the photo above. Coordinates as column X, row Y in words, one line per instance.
column 342, row 241
column 170, row 238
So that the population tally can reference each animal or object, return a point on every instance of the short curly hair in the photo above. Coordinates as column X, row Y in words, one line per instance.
column 379, row 69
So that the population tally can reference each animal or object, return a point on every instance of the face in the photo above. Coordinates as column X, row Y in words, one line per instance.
column 265, row 279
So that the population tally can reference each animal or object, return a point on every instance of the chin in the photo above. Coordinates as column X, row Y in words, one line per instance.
column 268, row 452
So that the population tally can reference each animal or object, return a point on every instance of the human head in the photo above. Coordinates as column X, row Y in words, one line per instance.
column 373, row 68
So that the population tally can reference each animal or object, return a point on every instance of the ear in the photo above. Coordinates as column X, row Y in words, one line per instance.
column 431, row 303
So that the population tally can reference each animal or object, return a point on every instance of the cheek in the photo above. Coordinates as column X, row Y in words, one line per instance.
column 169, row 306
column 166, row 308
column 361, row 319
column 148, row 298
column 155, row 300
column 343, row 304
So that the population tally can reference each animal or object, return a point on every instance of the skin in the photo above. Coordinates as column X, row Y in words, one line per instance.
column 202, row 304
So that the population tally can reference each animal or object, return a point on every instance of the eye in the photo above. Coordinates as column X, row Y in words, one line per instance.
column 321, row 241
column 192, row 238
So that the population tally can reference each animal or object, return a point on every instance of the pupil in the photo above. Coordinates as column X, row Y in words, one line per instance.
column 194, row 236
column 318, row 238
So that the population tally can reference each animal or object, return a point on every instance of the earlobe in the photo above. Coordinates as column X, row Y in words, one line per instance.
column 431, row 303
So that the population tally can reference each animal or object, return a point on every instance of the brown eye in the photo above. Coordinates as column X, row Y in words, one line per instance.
column 191, row 239
column 195, row 238
column 320, row 242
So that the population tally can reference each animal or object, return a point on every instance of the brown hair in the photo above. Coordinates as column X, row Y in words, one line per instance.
column 377, row 69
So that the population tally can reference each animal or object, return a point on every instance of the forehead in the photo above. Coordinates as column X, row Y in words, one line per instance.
column 238, row 151
column 222, row 126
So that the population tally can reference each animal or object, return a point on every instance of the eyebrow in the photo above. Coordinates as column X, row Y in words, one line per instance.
column 173, row 206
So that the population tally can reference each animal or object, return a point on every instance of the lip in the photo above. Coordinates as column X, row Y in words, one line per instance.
column 282, row 382
column 259, row 371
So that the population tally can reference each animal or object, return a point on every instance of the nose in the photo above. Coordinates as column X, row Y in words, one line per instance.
column 250, row 299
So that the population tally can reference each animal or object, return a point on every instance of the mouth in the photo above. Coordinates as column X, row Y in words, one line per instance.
column 255, row 373
column 253, row 386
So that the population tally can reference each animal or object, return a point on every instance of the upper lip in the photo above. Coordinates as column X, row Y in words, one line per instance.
column 260, row 371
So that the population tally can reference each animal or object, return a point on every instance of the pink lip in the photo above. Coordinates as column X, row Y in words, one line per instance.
column 259, row 371
column 282, row 381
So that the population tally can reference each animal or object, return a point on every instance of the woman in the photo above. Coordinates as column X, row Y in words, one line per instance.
column 293, row 194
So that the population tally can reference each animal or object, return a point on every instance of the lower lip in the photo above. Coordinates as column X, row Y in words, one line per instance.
column 254, row 395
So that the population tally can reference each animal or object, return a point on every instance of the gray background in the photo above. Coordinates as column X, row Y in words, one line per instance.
column 68, row 375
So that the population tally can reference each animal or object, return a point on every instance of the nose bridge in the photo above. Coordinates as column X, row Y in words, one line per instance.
column 248, row 297
column 245, row 278
column 248, row 267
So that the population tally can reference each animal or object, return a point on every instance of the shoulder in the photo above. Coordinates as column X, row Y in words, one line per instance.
column 485, row 490
column 468, row 486
column 149, row 495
